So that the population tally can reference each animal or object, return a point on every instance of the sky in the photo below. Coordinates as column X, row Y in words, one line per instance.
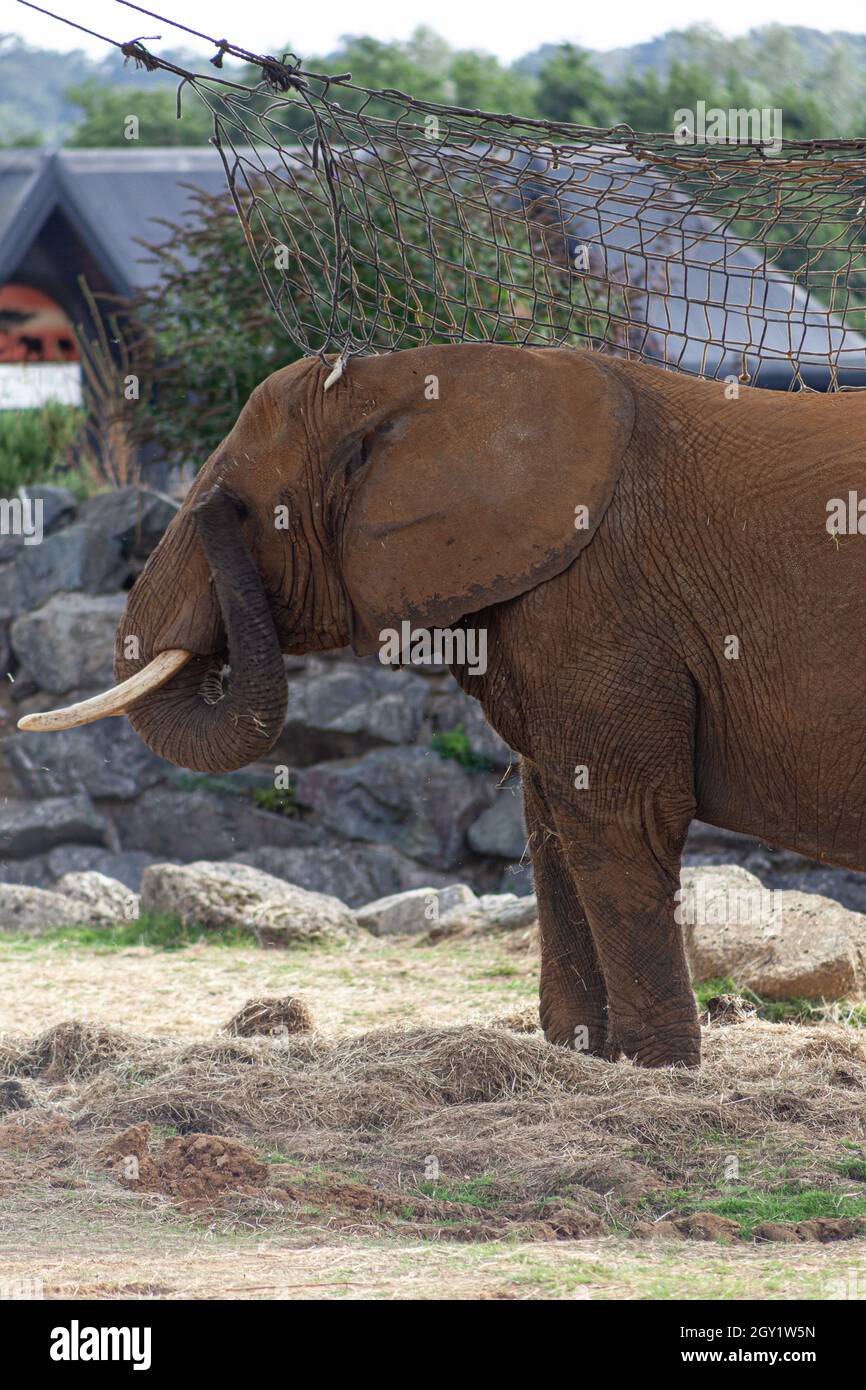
column 503, row 27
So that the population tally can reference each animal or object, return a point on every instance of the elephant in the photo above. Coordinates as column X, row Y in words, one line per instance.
column 671, row 620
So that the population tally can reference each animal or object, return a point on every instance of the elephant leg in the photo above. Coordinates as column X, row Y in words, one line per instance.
column 622, row 814
column 573, row 997
column 626, row 874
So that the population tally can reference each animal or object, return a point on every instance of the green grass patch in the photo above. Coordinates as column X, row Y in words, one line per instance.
column 454, row 744
column 787, row 1203
column 163, row 932
column 474, row 1192
column 279, row 801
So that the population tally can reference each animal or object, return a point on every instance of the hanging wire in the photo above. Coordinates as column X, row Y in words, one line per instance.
column 379, row 221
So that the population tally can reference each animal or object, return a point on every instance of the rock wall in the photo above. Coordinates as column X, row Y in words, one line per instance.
column 374, row 809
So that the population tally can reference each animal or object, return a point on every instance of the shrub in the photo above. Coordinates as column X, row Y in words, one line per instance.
column 33, row 443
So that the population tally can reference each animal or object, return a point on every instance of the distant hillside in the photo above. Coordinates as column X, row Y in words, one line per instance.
column 36, row 111
column 819, row 79
column 828, row 67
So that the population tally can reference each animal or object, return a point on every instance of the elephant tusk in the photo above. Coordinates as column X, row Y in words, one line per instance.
column 115, row 701
column 336, row 372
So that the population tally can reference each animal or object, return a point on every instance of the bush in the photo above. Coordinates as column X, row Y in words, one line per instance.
column 33, row 443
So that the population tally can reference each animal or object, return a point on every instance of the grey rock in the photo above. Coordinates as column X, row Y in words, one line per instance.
column 710, row 840
column 7, row 659
column 24, row 909
column 32, row 827
column 58, row 507
column 32, row 873
column 68, row 643
column 102, row 899
column 407, row 797
column 339, row 711
column 409, row 914
column 492, row 912
column 133, row 517
column 518, row 878
column 126, row 868
column 356, row 875
column 58, row 504
column 452, row 709
column 843, row 885
column 220, row 897
column 501, row 830
column 77, row 558
column 188, row 825
column 106, row 759
column 781, row 944
column 507, row 910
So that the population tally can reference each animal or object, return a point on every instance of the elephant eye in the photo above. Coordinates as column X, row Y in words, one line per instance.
column 361, row 455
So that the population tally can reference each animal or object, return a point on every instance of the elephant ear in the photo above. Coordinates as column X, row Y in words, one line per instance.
column 485, row 471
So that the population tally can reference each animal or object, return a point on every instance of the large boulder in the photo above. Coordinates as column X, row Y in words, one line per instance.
column 31, row 827
column 782, row 944
column 68, row 643
column 492, row 912
column 77, row 558
column 501, row 829
column 25, row 909
column 407, row 797
column 170, row 823
column 132, row 517
column 409, row 914
column 73, row 903
column 338, row 711
column 106, row 759
column 102, row 899
column 236, row 897
column 56, row 505
column 355, row 875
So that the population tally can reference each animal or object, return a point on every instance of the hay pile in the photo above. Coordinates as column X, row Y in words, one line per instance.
column 477, row 1128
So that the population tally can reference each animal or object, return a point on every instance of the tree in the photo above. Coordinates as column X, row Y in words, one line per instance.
column 571, row 89
column 111, row 113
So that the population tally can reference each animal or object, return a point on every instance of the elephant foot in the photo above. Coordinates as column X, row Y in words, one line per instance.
column 581, row 1031
column 676, row 1044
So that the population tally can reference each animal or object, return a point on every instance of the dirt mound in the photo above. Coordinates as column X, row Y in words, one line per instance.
column 192, row 1166
column 824, row 1229
column 271, row 1017
column 199, row 1165
column 31, row 1134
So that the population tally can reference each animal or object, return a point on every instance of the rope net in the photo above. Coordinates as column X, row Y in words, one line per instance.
column 378, row 221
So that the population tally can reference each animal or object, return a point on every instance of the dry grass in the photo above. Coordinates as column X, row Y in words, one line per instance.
column 192, row 992
column 434, row 1160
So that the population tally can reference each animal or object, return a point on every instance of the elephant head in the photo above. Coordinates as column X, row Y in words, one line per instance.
column 423, row 485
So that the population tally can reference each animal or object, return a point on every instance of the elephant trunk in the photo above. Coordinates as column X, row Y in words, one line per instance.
column 196, row 719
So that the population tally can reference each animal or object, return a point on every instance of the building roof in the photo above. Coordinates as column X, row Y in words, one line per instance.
column 111, row 197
